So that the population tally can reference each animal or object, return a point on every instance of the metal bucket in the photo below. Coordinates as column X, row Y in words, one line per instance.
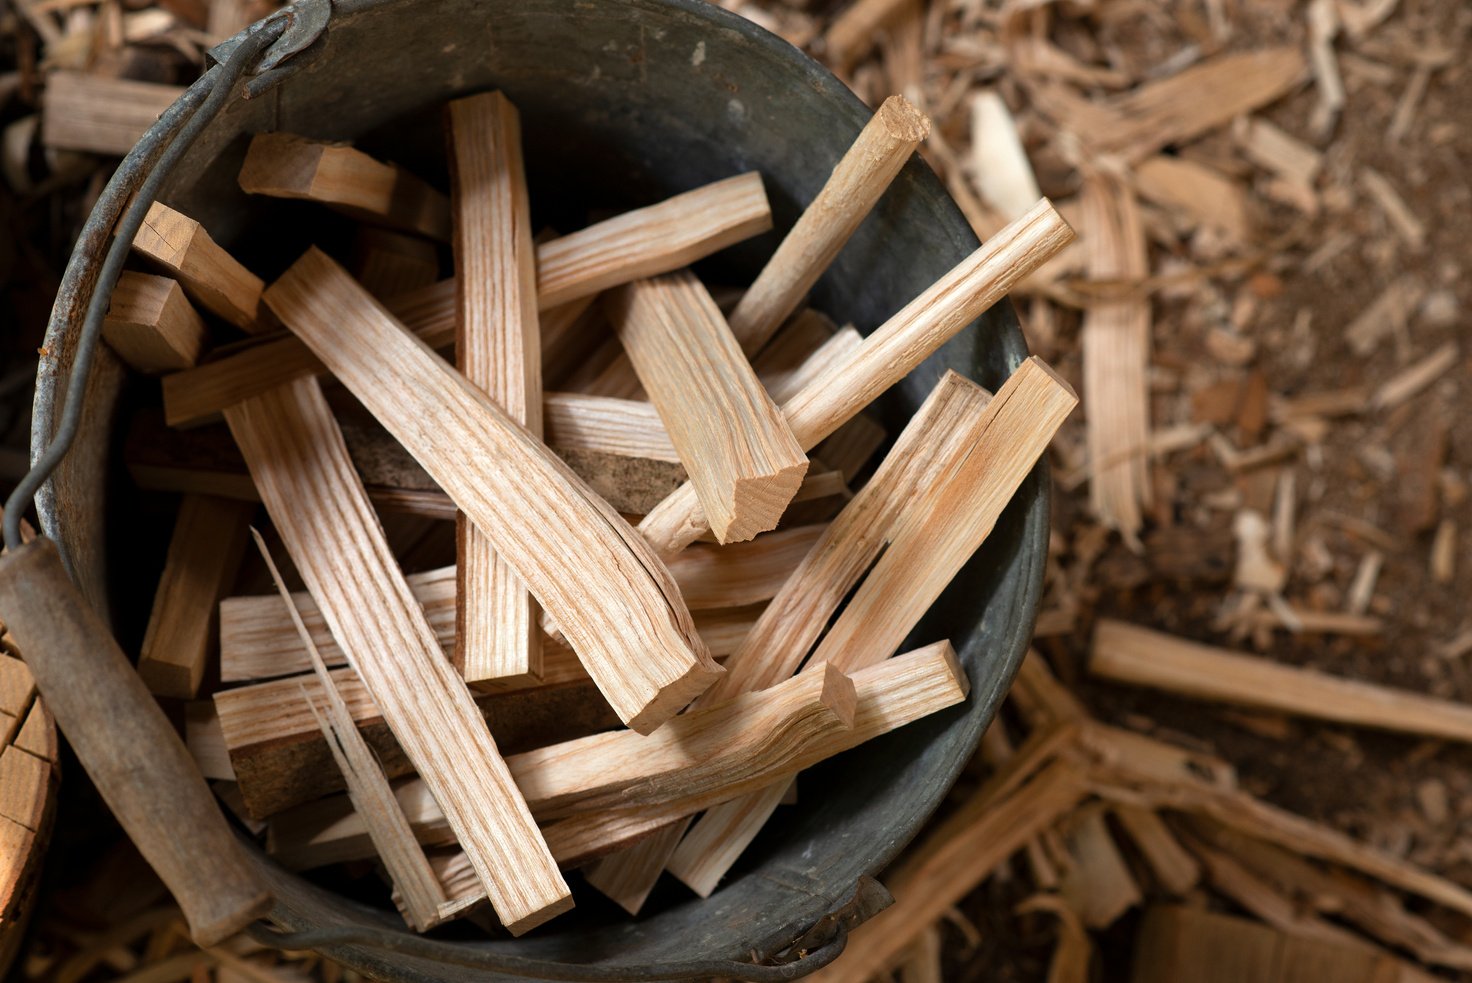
column 623, row 102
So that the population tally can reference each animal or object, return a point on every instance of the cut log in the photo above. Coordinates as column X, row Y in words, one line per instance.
column 317, row 503
column 203, row 559
column 863, row 173
column 641, row 243
column 743, row 461
column 498, row 348
column 889, row 353
column 282, row 165
column 151, row 324
column 622, row 613
column 1130, row 654
column 209, row 275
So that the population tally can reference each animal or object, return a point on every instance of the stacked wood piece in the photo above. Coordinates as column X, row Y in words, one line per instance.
column 544, row 689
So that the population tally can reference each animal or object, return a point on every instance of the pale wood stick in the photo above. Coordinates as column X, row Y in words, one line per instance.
column 888, row 696
column 936, row 531
column 151, row 325
column 1130, row 654
column 101, row 115
column 713, row 844
column 389, row 263
column 263, row 737
column 1172, row 864
column 944, row 427
column 622, row 614
column 854, row 32
column 955, row 855
column 208, row 274
column 256, row 644
column 569, row 331
column 653, row 240
column 498, row 348
column 368, row 789
column 283, row 165
column 299, row 462
column 1095, row 882
column 784, row 381
column 851, row 191
column 890, row 352
column 643, row 242
column 626, row 427
column 849, row 447
column 743, row 461
column 627, row 876
column 200, row 568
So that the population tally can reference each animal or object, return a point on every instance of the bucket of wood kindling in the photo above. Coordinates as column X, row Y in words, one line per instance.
column 623, row 103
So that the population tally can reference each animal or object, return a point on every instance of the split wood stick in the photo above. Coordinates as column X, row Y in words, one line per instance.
column 628, row 876
column 101, row 115
column 498, row 348
column 415, row 885
column 938, row 533
column 203, row 559
column 208, row 274
column 626, row 427
column 1130, row 654
column 784, row 382
column 890, row 353
column 850, row 193
column 569, row 332
column 643, row 242
column 256, row 644
column 943, row 427
column 854, row 33
column 743, row 461
column 713, row 844
column 283, row 165
column 1096, row 882
column 937, row 529
column 954, row 857
column 622, row 613
column 151, row 324
column 888, row 696
column 1172, row 864
column 301, row 466
column 389, row 263
column 653, row 240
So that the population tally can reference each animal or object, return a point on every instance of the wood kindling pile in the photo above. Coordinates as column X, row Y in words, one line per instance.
column 544, row 688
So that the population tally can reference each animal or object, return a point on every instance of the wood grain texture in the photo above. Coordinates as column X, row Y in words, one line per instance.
column 317, row 503
column 1139, row 656
column 744, row 463
column 891, row 352
column 850, row 193
column 624, row 427
column 640, row 243
column 256, row 643
column 389, row 263
column 886, row 697
column 283, row 165
column 209, row 275
column 622, row 613
column 101, row 115
column 653, row 240
column 416, row 889
column 151, row 324
column 200, row 568
column 498, row 348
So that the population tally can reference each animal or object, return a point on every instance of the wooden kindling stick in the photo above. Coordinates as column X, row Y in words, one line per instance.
column 933, row 537
column 641, row 243
column 317, row 502
column 498, row 348
column 621, row 611
column 743, row 461
column 886, row 696
column 209, row 274
column 947, row 423
column 890, row 353
column 416, row 887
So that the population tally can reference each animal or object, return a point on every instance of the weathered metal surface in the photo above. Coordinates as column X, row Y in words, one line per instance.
column 625, row 102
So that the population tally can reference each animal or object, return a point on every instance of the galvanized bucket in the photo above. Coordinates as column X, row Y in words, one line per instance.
column 623, row 102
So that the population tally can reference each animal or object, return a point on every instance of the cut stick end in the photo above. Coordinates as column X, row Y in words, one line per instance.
column 525, row 923
column 963, row 681
column 839, row 694
column 1037, row 364
column 676, row 695
column 757, row 504
column 903, row 120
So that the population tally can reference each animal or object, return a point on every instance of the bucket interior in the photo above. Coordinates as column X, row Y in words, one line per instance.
column 623, row 104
